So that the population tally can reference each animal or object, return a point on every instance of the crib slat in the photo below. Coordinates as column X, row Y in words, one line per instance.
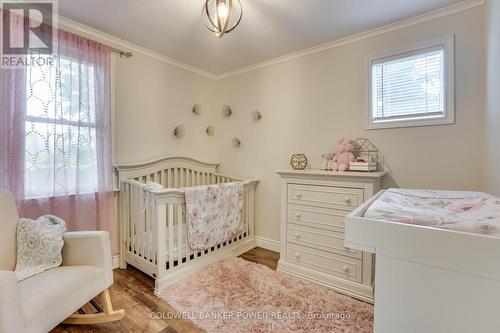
column 140, row 222
column 251, row 211
column 161, row 238
column 133, row 215
column 180, row 240
column 148, row 231
column 129, row 228
column 154, row 242
column 169, row 178
column 170, row 226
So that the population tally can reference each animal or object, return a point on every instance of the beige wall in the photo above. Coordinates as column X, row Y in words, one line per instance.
column 493, row 97
column 151, row 98
column 310, row 102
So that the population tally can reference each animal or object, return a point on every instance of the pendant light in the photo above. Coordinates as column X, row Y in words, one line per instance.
column 222, row 16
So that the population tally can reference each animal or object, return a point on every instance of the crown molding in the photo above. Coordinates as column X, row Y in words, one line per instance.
column 461, row 6
column 107, row 38
column 103, row 37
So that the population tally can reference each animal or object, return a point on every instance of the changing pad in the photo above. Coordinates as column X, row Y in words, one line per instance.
column 472, row 212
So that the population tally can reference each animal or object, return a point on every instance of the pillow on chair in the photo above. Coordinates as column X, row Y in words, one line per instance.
column 39, row 245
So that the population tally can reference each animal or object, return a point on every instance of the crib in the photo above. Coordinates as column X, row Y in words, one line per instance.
column 153, row 235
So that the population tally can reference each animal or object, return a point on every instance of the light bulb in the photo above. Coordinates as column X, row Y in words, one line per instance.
column 222, row 10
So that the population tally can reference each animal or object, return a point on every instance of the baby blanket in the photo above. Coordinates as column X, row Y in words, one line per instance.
column 213, row 213
column 39, row 245
column 472, row 212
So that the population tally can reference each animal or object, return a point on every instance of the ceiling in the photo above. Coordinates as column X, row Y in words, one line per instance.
column 269, row 29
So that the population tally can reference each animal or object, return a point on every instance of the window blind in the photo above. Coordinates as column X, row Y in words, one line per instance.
column 408, row 87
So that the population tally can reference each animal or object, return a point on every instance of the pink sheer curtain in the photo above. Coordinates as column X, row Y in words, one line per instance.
column 55, row 136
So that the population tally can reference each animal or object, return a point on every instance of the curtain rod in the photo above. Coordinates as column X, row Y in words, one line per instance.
column 126, row 54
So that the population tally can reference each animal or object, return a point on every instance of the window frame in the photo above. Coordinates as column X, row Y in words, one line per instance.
column 447, row 43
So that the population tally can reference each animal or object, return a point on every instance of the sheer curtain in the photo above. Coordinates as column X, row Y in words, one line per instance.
column 55, row 136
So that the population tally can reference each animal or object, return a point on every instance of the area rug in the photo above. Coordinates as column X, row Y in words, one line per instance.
column 236, row 295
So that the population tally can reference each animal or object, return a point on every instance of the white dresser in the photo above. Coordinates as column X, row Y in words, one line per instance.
column 314, row 204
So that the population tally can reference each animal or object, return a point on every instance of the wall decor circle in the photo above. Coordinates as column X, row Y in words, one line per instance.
column 210, row 130
column 298, row 161
column 236, row 142
column 256, row 116
column 227, row 111
column 196, row 109
column 179, row 131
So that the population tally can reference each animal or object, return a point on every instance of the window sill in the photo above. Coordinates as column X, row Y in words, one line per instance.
column 409, row 123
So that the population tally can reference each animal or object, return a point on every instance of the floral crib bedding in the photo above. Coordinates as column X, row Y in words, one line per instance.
column 472, row 212
column 213, row 213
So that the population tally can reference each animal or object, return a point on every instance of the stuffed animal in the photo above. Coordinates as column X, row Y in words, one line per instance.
column 344, row 155
column 327, row 161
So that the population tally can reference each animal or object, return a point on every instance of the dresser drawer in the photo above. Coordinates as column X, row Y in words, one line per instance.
column 325, row 240
column 316, row 217
column 325, row 196
column 325, row 262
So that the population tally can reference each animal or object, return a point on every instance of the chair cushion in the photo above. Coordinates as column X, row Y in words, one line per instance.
column 8, row 225
column 53, row 295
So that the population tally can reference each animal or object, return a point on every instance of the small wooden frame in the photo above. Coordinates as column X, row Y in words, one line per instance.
column 108, row 315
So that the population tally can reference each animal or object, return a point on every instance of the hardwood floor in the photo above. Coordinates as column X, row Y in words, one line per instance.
column 133, row 291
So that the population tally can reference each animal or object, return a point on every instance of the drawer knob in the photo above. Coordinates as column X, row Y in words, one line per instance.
column 297, row 256
column 298, row 195
column 345, row 268
column 297, row 235
column 297, row 215
column 347, row 200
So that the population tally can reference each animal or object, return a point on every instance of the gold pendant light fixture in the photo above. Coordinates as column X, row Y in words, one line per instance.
column 222, row 16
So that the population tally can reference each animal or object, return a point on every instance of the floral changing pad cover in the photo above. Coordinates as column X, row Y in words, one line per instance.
column 472, row 212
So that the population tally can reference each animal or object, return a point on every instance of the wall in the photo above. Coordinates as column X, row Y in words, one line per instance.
column 151, row 98
column 310, row 102
column 493, row 97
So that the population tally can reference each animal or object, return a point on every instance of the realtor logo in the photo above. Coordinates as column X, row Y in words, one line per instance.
column 27, row 34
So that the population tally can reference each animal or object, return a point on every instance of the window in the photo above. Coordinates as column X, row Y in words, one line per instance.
column 61, row 155
column 413, row 87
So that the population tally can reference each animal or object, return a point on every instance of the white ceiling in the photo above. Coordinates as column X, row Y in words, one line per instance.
column 269, row 29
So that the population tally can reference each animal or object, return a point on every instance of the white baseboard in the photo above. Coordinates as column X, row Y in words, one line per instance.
column 268, row 244
column 116, row 261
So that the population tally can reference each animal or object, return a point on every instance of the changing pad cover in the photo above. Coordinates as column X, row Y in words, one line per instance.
column 472, row 212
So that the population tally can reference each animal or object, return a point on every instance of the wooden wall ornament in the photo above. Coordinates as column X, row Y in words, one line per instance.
column 196, row 109
column 298, row 161
column 256, row 116
column 227, row 111
column 210, row 130
column 236, row 142
column 179, row 131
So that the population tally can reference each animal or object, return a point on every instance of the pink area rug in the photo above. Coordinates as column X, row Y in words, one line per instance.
column 235, row 295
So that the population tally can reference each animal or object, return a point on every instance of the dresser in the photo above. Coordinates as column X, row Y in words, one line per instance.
column 314, row 204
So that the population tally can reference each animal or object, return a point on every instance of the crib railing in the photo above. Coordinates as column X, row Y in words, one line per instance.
column 153, row 232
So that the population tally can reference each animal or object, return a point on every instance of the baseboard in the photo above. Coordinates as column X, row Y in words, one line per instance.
column 268, row 244
column 115, row 261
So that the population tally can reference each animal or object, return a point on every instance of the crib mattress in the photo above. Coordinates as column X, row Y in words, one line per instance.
column 146, row 237
column 471, row 212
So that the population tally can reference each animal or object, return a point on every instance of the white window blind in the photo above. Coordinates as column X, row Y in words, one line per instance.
column 409, row 87
column 413, row 87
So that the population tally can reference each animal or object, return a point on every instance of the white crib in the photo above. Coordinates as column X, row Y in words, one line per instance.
column 152, row 225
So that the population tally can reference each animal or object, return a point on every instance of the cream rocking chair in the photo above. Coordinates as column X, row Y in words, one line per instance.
column 42, row 301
